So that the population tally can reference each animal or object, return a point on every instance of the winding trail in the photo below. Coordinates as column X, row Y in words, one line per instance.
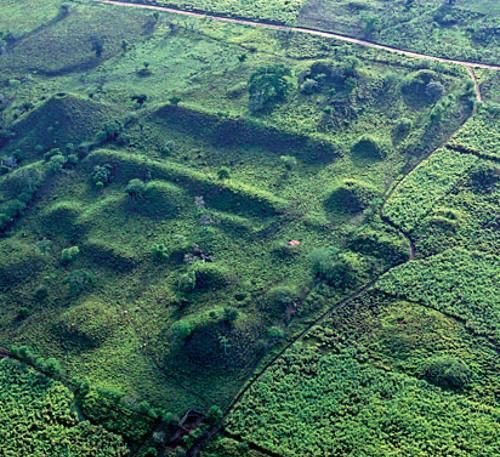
column 305, row 30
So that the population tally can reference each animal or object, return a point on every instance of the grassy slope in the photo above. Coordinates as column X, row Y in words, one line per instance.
column 465, row 30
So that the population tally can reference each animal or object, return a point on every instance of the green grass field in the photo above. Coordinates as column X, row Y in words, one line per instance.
column 180, row 199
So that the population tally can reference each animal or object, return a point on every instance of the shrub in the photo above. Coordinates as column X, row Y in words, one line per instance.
column 159, row 251
column 368, row 147
column 434, row 91
column 135, row 189
column 79, row 281
column 230, row 314
column 275, row 333
column 186, row 282
column 41, row 293
column 289, row 162
column 279, row 298
column 448, row 373
column 101, row 175
column 182, row 330
column 267, row 87
column 484, row 177
column 309, row 86
column 69, row 255
column 423, row 86
column 168, row 148
column 402, row 129
column 338, row 269
column 56, row 163
column 224, row 173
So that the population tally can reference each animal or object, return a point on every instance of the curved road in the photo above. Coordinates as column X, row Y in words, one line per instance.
column 286, row 28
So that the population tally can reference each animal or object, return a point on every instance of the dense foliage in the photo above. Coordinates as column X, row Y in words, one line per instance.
column 39, row 419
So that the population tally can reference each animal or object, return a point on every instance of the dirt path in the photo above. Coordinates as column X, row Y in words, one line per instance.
column 308, row 31
column 477, row 87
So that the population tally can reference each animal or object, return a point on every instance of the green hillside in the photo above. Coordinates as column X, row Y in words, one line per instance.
column 222, row 240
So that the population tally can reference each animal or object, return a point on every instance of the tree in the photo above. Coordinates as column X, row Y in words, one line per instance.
column 101, row 175
column 79, row 281
column 448, row 373
column 338, row 269
column 97, row 46
column 135, row 189
column 267, row 87
column 224, row 173
column 69, row 255
column 160, row 251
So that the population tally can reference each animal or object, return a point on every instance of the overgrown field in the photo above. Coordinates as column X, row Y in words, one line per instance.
column 461, row 29
column 39, row 418
column 180, row 198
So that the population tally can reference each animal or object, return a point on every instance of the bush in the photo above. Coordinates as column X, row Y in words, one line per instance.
column 56, row 163
column 101, row 175
column 186, row 282
column 159, row 251
column 79, row 281
column 338, row 269
column 224, row 173
column 69, row 255
column 182, row 330
column 135, row 189
column 275, row 333
column 168, row 148
column 368, row 147
column 289, row 162
column 279, row 299
column 402, row 129
column 484, row 178
column 448, row 373
column 434, row 91
column 267, row 87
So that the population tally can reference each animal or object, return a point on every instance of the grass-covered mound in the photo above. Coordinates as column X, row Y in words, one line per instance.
column 224, row 195
column 39, row 418
column 368, row 148
column 19, row 262
column 351, row 196
column 87, row 325
column 224, row 131
column 63, row 120
column 154, row 199
column 62, row 218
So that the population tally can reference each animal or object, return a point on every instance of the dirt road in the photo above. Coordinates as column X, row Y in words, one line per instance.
column 286, row 28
